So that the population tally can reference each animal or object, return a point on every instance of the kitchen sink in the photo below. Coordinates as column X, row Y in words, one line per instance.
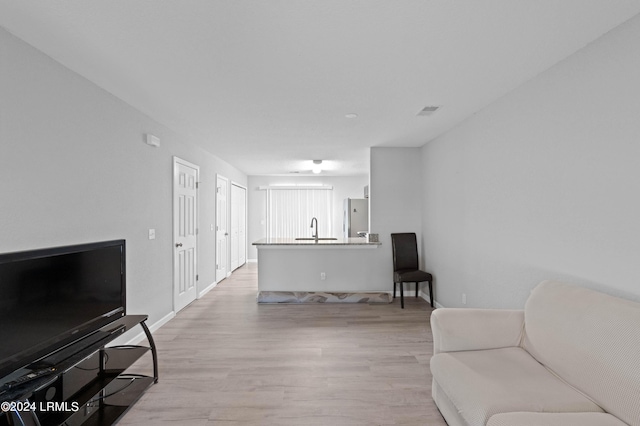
column 316, row 239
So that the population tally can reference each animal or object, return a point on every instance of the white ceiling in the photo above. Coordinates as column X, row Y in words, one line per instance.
column 265, row 85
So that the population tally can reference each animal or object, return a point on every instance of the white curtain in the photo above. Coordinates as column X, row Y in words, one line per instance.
column 289, row 212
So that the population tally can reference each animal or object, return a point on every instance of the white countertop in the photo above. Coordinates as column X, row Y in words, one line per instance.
column 359, row 241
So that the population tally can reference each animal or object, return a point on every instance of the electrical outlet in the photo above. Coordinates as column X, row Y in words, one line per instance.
column 323, row 276
column 464, row 298
column 152, row 234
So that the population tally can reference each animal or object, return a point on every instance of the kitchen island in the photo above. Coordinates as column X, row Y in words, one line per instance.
column 326, row 270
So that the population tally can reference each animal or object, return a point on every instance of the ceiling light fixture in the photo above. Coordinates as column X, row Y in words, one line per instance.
column 351, row 115
column 316, row 168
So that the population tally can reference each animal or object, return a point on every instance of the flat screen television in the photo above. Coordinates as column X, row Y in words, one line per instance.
column 53, row 297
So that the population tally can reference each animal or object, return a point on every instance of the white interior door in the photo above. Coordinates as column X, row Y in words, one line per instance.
column 222, row 228
column 185, row 220
column 242, row 227
column 234, row 227
column 238, row 225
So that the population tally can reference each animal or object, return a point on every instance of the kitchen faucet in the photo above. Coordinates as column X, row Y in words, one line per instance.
column 314, row 235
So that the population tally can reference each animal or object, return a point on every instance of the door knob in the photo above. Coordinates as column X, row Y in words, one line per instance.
column 178, row 244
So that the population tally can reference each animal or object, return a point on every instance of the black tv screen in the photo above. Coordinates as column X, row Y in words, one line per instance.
column 52, row 297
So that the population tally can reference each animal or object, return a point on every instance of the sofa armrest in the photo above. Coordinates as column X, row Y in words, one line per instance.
column 456, row 329
column 554, row 419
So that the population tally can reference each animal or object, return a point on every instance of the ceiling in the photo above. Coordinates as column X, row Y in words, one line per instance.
column 267, row 85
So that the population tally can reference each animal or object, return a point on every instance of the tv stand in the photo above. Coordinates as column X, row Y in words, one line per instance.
column 92, row 384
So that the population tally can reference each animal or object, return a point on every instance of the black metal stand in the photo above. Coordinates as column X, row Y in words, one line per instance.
column 154, row 352
column 90, row 385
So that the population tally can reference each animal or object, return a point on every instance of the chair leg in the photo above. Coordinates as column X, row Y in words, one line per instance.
column 417, row 288
column 431, row 293
column 394, row 289
column 402, row 295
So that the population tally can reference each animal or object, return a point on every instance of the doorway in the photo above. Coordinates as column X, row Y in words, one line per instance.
column 222, row 228
column 185, row 234
column 238, row 225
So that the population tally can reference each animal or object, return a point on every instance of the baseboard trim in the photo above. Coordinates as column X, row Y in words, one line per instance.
column 426, row 297
column 207, row 290
column 153, row 327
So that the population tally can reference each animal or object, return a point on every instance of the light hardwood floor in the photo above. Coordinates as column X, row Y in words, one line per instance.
column 225, row 360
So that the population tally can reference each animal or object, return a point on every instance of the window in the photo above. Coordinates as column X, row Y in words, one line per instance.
column 290, row 210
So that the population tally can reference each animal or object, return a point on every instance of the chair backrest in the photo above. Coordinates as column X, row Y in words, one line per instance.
column 405, row 251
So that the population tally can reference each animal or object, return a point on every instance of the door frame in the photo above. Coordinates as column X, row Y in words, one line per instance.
column 176, row 161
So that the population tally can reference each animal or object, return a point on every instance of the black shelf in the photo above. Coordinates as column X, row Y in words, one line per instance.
column 120, row 397
column 115, row 406
column 90, row 385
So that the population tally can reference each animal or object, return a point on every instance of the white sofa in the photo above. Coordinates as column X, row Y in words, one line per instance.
column 570, row 358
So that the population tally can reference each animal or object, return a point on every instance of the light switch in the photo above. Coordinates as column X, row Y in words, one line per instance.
column 152, row 234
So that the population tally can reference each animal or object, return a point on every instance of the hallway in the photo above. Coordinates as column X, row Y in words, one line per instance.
column 225, row 360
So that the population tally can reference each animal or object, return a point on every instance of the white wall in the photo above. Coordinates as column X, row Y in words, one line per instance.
column 74, row 168
column 395, row 204
column 343, row 187
column 543, row 184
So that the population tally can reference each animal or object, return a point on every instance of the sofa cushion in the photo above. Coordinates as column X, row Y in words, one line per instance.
column 483, row 383
column 554, row 419
column 591, row 340
column 462, row 329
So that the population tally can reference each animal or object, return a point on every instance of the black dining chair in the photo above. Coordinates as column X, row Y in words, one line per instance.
column 405, row 265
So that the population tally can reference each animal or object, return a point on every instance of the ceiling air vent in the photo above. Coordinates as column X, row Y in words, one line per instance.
column 428, row 110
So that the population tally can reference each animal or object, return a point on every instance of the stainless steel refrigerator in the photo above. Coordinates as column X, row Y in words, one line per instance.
column 356, row 217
